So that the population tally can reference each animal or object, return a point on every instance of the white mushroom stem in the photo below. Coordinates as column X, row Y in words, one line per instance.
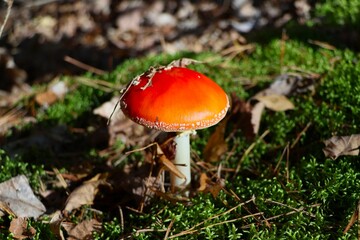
column 182, row 160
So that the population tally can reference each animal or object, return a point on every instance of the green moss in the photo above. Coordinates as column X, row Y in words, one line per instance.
column 307, row 197
column 342, row 12
column 13, row 167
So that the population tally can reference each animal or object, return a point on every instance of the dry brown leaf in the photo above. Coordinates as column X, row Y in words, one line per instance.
column 276, row 102
column 173, row 198
column 207, row 185
column 121, row 127
column 166, row 163
column 203, row 179
column 55, row 225
column 242, row 117
column 342, row 146
column 289, row 84
column 84, row 194
column 19, row 229
column 46, row 98
column 55, row 92
column 17, row 194
column 216, row 145
column 83, row 230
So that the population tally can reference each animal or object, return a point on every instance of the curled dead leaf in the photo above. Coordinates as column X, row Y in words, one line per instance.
column 20, row 230
column 85, row 194
column 17, row 197
column 55, row 225
column 83, row 230
column 342, row 146
column 276, row 102
column 216, row 145
column 166, row 163
column 242, row 117
column 213, row 187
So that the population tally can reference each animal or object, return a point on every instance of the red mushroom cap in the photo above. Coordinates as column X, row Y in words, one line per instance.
column 174, row 99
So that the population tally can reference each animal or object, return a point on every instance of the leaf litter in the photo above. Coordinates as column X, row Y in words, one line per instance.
column 17, row 196
column 342, row 146
column 20, row 230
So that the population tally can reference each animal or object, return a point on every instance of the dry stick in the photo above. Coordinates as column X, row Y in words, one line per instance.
column 84, row 66
column 284, row 37
column 354, row 217
column 286, row 149
column 246, row 209
column 9, row 4
column 295, row 209
column 280, row 215
column 121, row 218
column 300, row 134
column 168, row 229
column 287, row 166
column 248, row 150
column 96, row 83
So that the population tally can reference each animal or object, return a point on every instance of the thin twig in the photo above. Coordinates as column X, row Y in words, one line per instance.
column 96, row 83
column 280, row 215
column 84, row 66
column 168, row 229
column 248, row 150
column 121, row 219
column 9, row 4
column 286, row 149
column 295, row 209
column 300, row 134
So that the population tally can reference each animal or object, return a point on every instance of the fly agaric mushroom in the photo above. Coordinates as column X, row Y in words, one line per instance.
column 175, row 99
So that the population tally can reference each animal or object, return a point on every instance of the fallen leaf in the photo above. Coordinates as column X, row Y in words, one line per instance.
column 216, row 145
column 122, row 128
column 46, row 98
column 83, row 230
column 242, row 117
column 17, row 194
column 276, row 102
column 165, row 163
column 203, row 179
column 55, row 92
column 290, row 84
column 256, row 113
column 55, row 225
column 342, row 146
column 169, row 166
column 20, row 230
column 84, row 194
column 213, row 187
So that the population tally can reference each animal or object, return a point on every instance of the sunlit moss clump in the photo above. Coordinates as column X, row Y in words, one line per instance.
column 343, row 12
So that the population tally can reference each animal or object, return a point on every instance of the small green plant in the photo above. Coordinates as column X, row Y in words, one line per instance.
column 342, row 12
column 12, row 167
